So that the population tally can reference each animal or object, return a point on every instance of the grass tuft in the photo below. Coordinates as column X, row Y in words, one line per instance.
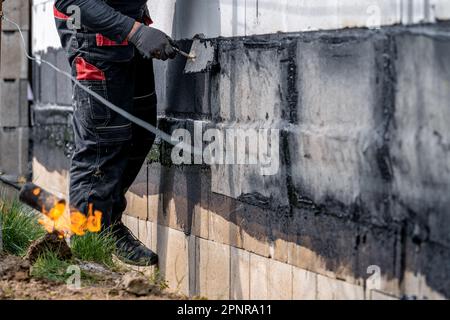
column 158, row 280
column 19, row 227
column 94, row 247
column 49, row 267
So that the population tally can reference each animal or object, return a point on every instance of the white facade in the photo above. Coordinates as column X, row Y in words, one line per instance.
column 185, row 18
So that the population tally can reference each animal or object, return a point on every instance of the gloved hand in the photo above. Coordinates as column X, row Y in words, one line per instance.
column 153, row 43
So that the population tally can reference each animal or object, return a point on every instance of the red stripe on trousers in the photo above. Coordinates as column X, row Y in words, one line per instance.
column 87, row 71
column 103, row 41
column 58, row 14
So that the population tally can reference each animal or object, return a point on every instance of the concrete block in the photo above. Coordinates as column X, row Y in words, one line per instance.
column 19, row 12
column 136, row 206
column 333, row 289
column 48, row 77
column 14, row 62
column 57, row 120
column 281, row 236
column 52, row 148
column 14, row 108
column 280, row 281
column 180, row 198
column 304, row 284
column 194, row 286
column 426, row 271
column 223, row 224
column 378, row 253
column 245, row 181
column 159, row 180
column 250, row 180
column 417, row 287
column 213, row 269
column 254, row 226
column 259, row 277
column 136, row 196
column 160, row 70
column 377, row 295
column 279, row 250
column 132, row 223
column 442, row 10
column 251, row 77
column 347, row 256
column 35, row 81
column 335, row 149
column 151, row 240
column 14, row 151
column 154, row 193
column 240, row 274
column 172, row 247
column 154, row 207
column 145, row 232
column 54, row 181
column 420, row 144
column 358, row 255
column 179, row 99
column 307, row 258
column 185, row 204
column 63, row 84
column 201, row 219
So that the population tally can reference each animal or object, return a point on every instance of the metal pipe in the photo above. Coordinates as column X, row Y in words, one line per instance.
column 38, row 198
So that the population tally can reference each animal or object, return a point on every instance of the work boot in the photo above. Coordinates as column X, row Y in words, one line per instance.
column 130, row 250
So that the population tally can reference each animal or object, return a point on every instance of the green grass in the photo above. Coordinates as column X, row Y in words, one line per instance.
column 94, row 247
column 154, row 154
column 48, row 266
column 19, row 227
column 158, row 280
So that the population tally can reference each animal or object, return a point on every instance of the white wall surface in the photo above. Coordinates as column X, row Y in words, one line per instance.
column 43, row 26
column 185, row 18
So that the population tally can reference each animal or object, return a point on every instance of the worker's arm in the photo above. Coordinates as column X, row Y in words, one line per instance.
column 101, row 18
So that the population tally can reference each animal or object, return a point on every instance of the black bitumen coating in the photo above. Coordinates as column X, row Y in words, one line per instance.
column 353, row 235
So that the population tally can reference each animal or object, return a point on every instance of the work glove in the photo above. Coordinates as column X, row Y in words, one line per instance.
column 153, row 43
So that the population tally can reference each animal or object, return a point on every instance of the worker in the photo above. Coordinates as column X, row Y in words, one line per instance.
column 110, row 51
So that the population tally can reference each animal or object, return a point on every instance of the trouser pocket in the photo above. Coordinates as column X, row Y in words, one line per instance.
column 100, row 124
column 88, row 110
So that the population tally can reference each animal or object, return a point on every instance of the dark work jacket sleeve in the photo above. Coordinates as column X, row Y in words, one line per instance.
column 99, row 17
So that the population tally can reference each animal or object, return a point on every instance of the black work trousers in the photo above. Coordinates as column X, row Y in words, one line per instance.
column 109, row 149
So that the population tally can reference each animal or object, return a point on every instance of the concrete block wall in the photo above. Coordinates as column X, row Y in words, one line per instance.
column 14, row 105
column 346, row 199
column 358, row 207
column 51, row 111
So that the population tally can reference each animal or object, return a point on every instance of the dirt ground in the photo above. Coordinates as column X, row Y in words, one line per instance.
column 16, row 284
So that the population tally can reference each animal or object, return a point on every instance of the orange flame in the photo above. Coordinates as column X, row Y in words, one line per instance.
column 78, row 223
column 57, row 211
column 74, row 222
column 94, row 221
